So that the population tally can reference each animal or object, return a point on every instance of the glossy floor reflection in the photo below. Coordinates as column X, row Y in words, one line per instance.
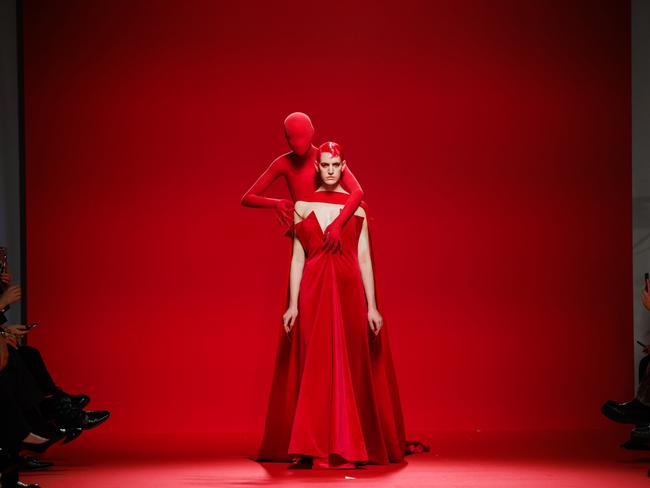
column 456, row 460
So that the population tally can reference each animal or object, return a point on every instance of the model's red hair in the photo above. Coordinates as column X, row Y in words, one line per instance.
column 330, row 147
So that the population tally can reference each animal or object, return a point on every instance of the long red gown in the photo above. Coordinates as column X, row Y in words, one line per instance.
column 334, row 389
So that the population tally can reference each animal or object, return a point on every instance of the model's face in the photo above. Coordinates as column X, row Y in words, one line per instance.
column 330, row 168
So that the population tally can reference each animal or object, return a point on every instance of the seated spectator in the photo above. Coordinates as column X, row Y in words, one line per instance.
column 34, row 412
column 637, row 410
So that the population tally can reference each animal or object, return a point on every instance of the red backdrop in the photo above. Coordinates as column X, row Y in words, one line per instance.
column 493, row 142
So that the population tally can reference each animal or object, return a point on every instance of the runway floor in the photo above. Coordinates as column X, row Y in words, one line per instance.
column 577, row 459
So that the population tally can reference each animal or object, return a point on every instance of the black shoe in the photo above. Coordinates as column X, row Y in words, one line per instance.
column 59, row 409
column 632, row 412
column 301, row 462
column 38, row 448
column 9, row 461
column 635, row 445
column 52, row 433
column 71, row 434
column 20, row 484
column 641, row 432
column 79, row 401
column 53, row 436
column 30, row 463
column 92, row 418
column 68, row 434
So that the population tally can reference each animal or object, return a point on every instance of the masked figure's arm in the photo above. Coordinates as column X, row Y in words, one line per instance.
column 332, row 239
column 253, row 197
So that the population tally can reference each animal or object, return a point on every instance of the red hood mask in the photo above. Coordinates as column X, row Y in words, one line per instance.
column 299, row 132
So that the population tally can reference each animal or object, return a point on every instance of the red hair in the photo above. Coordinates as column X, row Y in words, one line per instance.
column 330, row 147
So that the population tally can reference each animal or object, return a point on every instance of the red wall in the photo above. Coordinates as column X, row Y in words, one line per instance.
column 493, row 142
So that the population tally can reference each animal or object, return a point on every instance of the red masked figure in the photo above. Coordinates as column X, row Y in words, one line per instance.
column 297, row 167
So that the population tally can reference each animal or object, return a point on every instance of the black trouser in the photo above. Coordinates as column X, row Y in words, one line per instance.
column 19, row 400
column 18, row 384
column 14, row 426
column 643, row 393
column 21, row 382
column 34, row 361
column 643, row 367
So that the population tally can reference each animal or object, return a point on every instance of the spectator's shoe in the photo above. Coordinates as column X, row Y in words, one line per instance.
column 79, row 401
column 633, row 444
column 38, row 448
column 71, row 434
column 632, row 412
column 30, row 463
column 9, row 462
column 93, row 418
column 641, row 432
column 59, row 409
column 54, row 434
column 20, row 484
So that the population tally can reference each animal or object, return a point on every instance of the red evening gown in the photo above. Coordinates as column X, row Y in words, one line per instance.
column 334, row 390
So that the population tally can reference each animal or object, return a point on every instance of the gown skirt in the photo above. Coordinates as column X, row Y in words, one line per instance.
column 334, row 389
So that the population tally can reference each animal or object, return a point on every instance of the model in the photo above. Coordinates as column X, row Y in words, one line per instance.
column 334, row 400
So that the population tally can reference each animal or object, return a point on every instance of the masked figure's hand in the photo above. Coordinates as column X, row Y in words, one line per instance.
column 332, row 236
column 284, row 213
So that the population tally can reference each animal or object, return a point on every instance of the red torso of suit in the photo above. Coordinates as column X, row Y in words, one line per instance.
column 300, row 174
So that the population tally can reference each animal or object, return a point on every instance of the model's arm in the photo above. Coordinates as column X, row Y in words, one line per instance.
column 295, row 276
column 333, row 231
column 365, row 264
column 253, row 197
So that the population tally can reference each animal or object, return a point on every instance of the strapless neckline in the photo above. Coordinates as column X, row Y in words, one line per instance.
column 322, row 232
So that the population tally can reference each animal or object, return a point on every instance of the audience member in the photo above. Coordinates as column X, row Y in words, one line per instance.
column 637, row 410
column 34, row 412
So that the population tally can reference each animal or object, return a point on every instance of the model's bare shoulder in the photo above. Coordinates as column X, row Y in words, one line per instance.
column 301, row 209
column 301, row 205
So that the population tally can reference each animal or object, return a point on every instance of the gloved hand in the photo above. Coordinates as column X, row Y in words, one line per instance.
column 284, row 213
column 332, row 236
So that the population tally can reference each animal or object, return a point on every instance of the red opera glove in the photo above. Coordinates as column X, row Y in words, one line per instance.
column 332, row 236
column 284, row 213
